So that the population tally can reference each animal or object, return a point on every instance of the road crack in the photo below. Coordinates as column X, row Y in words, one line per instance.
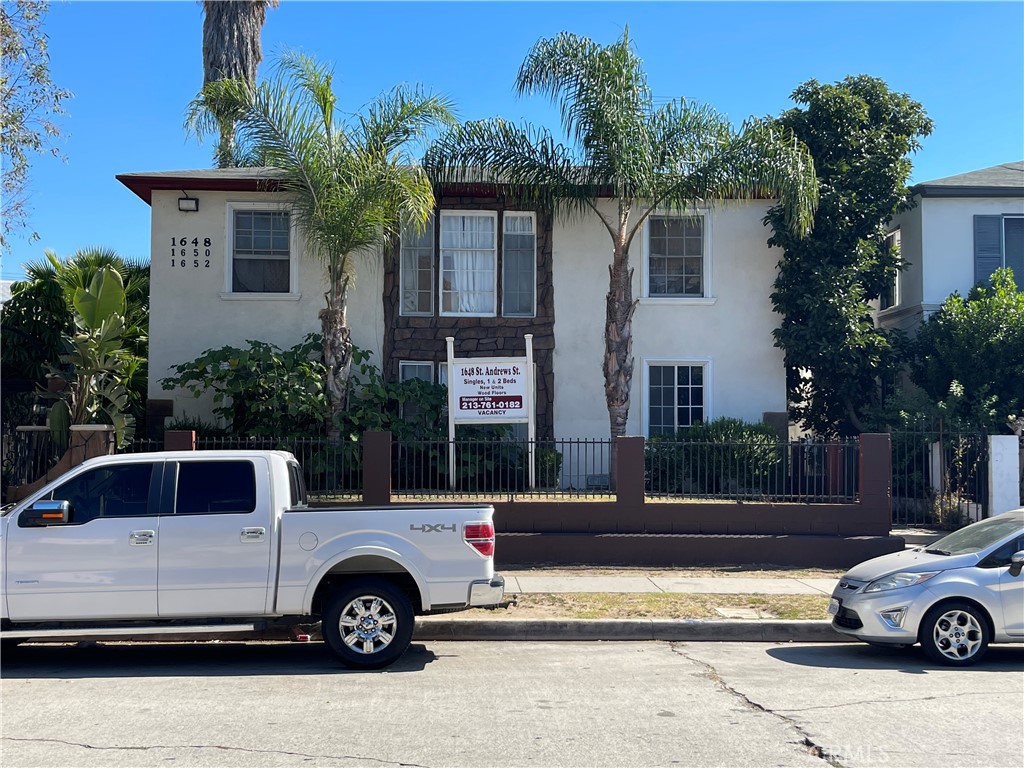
column 361, row 758
column 813, row 749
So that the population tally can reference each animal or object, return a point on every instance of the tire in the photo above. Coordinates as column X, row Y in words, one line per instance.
column 956, row 634
column 368, row 624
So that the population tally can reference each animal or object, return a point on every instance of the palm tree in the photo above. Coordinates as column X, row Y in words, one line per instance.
column 353, row 184
column 647, row 158
column 231, row 51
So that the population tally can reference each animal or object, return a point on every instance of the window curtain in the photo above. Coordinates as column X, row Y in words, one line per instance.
column 468, row 250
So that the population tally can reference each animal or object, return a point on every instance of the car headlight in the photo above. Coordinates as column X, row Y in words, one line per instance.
column 899, row 581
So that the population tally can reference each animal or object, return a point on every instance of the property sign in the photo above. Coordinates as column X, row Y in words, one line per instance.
column 490, row 391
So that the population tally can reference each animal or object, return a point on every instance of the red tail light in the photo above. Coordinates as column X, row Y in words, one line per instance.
column 480, row 536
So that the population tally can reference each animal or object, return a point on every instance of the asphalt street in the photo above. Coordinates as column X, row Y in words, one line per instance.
column 509, row 704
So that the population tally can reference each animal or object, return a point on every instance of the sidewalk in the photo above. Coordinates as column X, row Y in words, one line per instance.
column 635, row 581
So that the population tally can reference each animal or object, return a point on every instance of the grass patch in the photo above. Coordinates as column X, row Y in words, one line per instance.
column 602, row 605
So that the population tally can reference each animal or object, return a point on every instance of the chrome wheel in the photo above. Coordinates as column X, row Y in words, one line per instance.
column 367, row 624
column 958, row 635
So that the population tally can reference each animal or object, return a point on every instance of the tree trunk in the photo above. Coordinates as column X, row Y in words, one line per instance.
column 618, row 350
column 338, row 360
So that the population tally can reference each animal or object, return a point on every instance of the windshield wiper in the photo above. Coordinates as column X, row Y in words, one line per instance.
column 938, row 552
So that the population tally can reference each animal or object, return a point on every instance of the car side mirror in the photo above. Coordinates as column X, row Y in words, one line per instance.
column 45, row 513
column 1017, row 563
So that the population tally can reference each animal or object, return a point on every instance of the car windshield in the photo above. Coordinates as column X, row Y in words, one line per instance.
column 978, row 536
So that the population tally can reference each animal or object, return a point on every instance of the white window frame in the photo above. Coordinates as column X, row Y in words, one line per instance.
column 645, row 395
column 533, row 217
column 498, row 233
column 293, row 293
column 898, row 239
column 403, row 364
column 708, row 296
column 402, row 273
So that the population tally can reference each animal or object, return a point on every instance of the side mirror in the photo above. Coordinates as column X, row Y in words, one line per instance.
column 1017, row 563
column 44, row 513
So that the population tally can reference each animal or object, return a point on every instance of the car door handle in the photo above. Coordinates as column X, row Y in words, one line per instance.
column 253, row 534
column 141, row 538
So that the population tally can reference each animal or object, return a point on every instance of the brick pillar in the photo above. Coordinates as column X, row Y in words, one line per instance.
column 377, row 468
column 875, row 484
column 629, row 471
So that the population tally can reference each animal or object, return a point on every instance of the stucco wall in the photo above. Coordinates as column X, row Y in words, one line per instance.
column 189, row 310
column 937, row 241
column 731, row 331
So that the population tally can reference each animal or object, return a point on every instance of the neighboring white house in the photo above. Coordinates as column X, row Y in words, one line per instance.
column 962, row 229
column 227, row 266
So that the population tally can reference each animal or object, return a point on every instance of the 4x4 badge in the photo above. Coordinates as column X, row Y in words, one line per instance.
column 433, row 528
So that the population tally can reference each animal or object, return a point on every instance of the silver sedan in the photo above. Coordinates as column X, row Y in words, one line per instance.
column 954, row 596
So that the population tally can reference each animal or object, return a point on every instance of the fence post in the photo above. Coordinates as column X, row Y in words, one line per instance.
column 1003, row 474
column 629, row 470
column 179, row 440
column 377, row 468
column 876, row 484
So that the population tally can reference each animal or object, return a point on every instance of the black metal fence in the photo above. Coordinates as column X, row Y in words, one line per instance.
column 761, row 470
column 500, row 468
column 939, row 479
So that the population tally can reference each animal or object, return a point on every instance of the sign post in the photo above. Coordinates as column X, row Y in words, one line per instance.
column 491, row 390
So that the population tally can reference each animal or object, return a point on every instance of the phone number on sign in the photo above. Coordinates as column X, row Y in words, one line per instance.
column 490, row 403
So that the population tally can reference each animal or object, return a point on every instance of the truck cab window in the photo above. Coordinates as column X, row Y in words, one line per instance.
column 216, row 487
column 120, row 490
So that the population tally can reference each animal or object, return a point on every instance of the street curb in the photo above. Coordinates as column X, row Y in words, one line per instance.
column 693, row 630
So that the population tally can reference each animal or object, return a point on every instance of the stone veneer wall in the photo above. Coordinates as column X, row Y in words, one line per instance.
column 423, row 338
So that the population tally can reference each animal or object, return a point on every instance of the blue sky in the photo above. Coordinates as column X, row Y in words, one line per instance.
column 134, row 66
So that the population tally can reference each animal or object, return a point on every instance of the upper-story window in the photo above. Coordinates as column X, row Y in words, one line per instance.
column 469, row 260
column 676, row 257
column 998, row 242
column 890, row 297
column 261, row 249
column 519, row 265
column 474, row 248
column 417, row 270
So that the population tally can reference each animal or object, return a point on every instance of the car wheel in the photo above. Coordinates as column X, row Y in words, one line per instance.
column 954, row 633
column 368, row 624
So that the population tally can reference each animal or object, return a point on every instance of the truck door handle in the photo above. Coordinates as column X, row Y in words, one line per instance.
column 141, row 538
column 253, row 534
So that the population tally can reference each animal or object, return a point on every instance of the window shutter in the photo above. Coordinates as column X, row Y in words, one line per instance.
column 988, row 247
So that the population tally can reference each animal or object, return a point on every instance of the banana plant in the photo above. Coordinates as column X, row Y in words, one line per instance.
column 95, row 363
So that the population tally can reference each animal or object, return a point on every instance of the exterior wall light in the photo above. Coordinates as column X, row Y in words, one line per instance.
column 188, row 204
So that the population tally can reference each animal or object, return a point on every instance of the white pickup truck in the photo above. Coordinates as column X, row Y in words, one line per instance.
column 207, row 542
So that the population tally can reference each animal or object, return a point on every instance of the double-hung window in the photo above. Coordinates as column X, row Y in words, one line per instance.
column 675, row 396
column 416, row 270
column 475, row 248
column 261, row 251
column 519, row 265
column 469, row 260
column 676, row 250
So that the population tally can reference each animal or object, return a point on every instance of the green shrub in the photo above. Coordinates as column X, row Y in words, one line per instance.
column 721, row 456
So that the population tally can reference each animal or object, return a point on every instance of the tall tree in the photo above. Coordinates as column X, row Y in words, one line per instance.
column 231, row 51
column 353, row 183
column 860, row 134
column 623, row 146
column 29, row 104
